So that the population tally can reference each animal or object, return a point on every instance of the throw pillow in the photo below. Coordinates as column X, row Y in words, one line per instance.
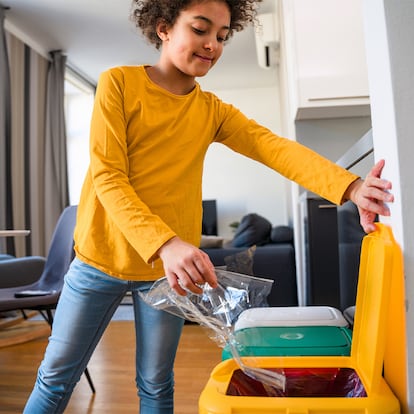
column 253, row 230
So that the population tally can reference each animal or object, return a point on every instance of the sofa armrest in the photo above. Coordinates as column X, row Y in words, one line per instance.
column 6, row 256
column 21, row 271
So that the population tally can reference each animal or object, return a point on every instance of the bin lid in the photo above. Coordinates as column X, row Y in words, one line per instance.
column 380, row 259
column 290, row 316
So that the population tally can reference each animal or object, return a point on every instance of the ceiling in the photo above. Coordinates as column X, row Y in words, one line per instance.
column 97, row 34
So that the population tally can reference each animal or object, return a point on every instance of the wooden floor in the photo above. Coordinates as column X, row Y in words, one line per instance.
column 112, row 370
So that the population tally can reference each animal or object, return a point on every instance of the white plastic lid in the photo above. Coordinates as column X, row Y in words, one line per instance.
column 290, row 316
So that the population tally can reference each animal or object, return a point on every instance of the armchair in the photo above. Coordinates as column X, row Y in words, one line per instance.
column 42, row 295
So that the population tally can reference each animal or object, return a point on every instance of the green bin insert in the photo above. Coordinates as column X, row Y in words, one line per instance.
column 292, row 341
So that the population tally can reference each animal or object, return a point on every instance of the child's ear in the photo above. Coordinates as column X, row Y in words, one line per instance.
column 162, row 30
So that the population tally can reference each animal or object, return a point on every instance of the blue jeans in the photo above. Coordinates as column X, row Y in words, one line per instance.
column 89, row 299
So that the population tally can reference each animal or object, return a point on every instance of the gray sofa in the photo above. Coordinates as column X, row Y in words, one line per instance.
column 273, row 258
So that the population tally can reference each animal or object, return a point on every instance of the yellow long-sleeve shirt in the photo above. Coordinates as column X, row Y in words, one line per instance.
column 147, row 148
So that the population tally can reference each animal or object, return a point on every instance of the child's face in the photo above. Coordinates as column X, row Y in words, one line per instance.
column 195, row 42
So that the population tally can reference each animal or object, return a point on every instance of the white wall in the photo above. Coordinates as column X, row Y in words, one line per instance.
column 240, row 185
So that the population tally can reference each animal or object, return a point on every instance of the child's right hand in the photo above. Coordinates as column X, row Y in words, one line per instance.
column 186, row 266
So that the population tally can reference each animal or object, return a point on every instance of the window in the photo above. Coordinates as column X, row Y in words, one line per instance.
column 79, row 97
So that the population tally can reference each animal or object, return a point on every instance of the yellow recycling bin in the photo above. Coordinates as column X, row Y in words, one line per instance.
column 311, row 381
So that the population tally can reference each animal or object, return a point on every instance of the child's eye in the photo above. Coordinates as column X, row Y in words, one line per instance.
column 198, row 31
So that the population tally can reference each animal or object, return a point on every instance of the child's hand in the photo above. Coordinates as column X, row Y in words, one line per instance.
column 370, row 196
column 186, row 265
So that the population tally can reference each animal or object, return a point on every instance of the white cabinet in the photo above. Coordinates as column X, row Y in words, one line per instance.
column 324, row 42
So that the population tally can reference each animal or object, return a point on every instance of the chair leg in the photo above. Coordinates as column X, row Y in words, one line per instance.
column 88, row 377
column 49, row 320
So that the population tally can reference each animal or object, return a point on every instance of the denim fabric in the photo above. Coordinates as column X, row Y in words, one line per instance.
column 88, row 301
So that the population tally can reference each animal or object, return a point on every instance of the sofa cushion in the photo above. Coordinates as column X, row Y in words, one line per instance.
column 281, row 234
column 253, row 230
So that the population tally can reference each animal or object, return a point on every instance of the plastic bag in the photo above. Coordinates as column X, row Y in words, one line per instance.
column 217, row 309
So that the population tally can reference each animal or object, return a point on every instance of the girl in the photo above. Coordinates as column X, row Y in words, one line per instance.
column 139, row 216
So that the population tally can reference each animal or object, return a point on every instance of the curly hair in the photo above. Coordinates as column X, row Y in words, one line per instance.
column 146, row 13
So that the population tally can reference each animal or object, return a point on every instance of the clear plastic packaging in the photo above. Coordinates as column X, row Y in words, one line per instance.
column 217, row 310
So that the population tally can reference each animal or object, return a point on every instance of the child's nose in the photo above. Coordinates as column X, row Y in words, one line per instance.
column 211, row 45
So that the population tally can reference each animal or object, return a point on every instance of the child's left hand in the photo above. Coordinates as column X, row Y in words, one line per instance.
column 370, row 196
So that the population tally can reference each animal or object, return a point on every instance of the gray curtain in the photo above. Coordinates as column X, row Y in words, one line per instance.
column 56, row 177
column 33, row 178
column 6, row 216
